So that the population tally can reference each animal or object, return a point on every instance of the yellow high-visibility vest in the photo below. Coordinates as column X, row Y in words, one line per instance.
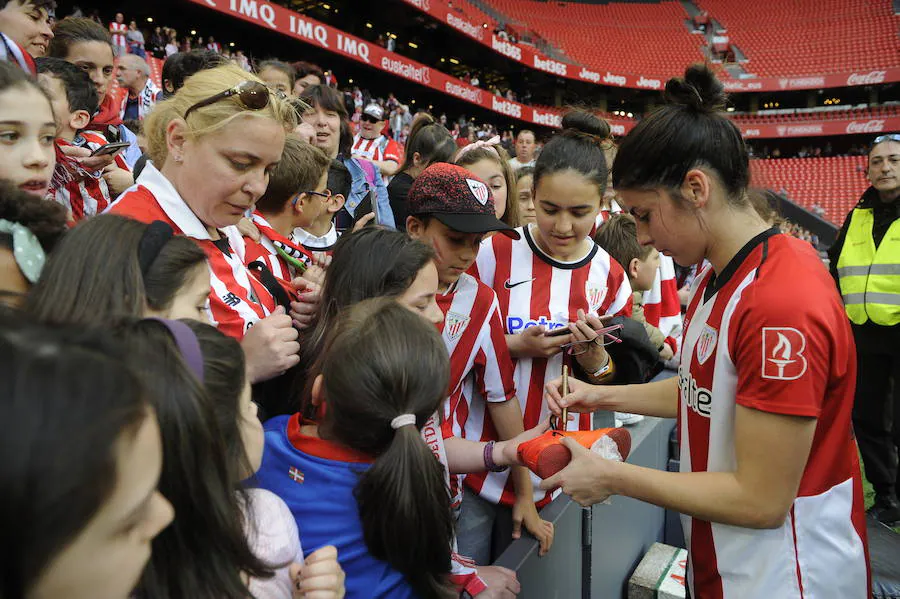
column 870, row 277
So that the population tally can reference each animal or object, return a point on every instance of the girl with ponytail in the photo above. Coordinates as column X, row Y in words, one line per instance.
column 552, row 279
column 362, row 478
column 769, row 490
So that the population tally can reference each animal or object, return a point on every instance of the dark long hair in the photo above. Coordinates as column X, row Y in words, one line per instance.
column 205, row 551
column 580, row 146
column 67, row 403
column 224, row 376
column 95, row 275
column 372, row 262
column 690, row 131
column 431, row 140
column 381, row 361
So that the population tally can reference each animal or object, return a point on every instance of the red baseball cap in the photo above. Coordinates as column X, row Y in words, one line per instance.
column 457, row 198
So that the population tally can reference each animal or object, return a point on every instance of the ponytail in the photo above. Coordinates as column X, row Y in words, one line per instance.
column 382, row 361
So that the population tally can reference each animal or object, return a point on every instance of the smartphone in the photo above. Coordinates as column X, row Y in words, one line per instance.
column 110, row 149
column 558, row 332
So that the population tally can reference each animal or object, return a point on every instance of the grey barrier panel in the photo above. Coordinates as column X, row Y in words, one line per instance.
column 623, row 531
column 618, row 534
column 558, row 574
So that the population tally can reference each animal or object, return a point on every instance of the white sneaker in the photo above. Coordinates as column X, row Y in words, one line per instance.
column 628, row 419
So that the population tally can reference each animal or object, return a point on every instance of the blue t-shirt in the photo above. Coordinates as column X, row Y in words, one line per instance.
column 318, row 489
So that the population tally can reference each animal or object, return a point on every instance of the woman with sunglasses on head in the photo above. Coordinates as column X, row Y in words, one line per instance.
column 769, row 490
column 328, row 115
column 215, row 142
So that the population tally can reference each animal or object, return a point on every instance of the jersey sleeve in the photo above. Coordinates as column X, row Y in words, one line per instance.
column 494, row 367
column 782, row 352
column 392, row 151
column 619, row 301
column 485, row 263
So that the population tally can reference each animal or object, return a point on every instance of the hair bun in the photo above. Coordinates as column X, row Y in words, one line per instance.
column 582, row 121
column 699, row 91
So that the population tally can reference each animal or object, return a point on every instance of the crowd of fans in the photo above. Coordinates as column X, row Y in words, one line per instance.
column 296, row 337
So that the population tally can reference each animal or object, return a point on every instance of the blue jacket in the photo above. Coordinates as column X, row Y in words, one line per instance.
column 359, row 189
column 318, row 489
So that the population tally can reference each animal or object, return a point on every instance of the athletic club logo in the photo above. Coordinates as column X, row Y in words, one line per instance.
column 479, row 190
column 595, row 297
column 782, row 353
column 706, row 345
column 296, row 475
column 454, row 325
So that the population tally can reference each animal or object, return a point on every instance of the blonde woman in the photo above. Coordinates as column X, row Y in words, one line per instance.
column 212, row 146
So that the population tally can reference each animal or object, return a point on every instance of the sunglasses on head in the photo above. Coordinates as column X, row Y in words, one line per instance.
column 887, row 137
column 250, row 95
column 369, row 119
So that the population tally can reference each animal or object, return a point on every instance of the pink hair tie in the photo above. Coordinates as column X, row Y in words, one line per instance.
column 489, row 144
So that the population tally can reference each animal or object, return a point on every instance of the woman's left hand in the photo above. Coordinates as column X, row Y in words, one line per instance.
column 589, row 349
column 587, row 477
column 320, row 577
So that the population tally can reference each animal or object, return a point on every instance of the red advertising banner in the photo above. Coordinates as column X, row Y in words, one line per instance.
column 287, row 22
column 531, row 57
column 816, row 128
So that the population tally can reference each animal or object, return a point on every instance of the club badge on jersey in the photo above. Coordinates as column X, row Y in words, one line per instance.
column 783, row 357
column 455, row 324
column 706, row 345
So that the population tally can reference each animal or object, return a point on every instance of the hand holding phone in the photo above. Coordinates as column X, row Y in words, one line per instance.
column 110, row 149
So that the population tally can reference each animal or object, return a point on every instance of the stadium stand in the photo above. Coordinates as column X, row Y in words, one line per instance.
column 810, row 37
column 875, row 112
column 835, row 183
column 622, row 37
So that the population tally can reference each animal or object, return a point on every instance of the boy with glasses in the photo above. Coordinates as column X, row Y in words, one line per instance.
column 296, row 206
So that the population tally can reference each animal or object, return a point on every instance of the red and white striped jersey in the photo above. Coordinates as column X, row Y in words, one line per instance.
column 264, row 250
column 480, row 367
column 237, row 300
column 662, row 308
column 118, row 33
column 462, row 569
column 83, row 193
column 380, row 148
column 748, row 343
column 534, row 289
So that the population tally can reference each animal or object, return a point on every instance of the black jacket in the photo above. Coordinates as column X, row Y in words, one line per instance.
column 870, row 337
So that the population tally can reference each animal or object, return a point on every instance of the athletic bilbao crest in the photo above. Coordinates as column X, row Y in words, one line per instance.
column 782, row 353
column 479, row 190
column 454, row 325
column 706, row 345
column 595, row 297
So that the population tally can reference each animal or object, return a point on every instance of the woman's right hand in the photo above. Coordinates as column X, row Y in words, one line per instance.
column 582, row 397
column 271, row 346
column 84, row 158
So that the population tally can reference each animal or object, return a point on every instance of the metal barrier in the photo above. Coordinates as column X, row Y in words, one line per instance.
column 595, row 549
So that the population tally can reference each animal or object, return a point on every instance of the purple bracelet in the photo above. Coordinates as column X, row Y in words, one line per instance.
column 489, row 463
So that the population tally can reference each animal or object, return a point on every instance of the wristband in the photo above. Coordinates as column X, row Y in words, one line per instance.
column 603, row 370
column 489, row 463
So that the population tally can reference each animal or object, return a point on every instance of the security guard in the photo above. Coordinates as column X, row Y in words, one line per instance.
column 865, row 261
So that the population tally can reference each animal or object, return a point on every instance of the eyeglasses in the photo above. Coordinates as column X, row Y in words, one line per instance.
column 605, row 336
column 888, row 137
column 251, row 95
column 323, row 194
column 369, row 119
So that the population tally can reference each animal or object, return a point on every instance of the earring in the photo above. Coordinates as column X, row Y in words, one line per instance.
column 178, row 158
